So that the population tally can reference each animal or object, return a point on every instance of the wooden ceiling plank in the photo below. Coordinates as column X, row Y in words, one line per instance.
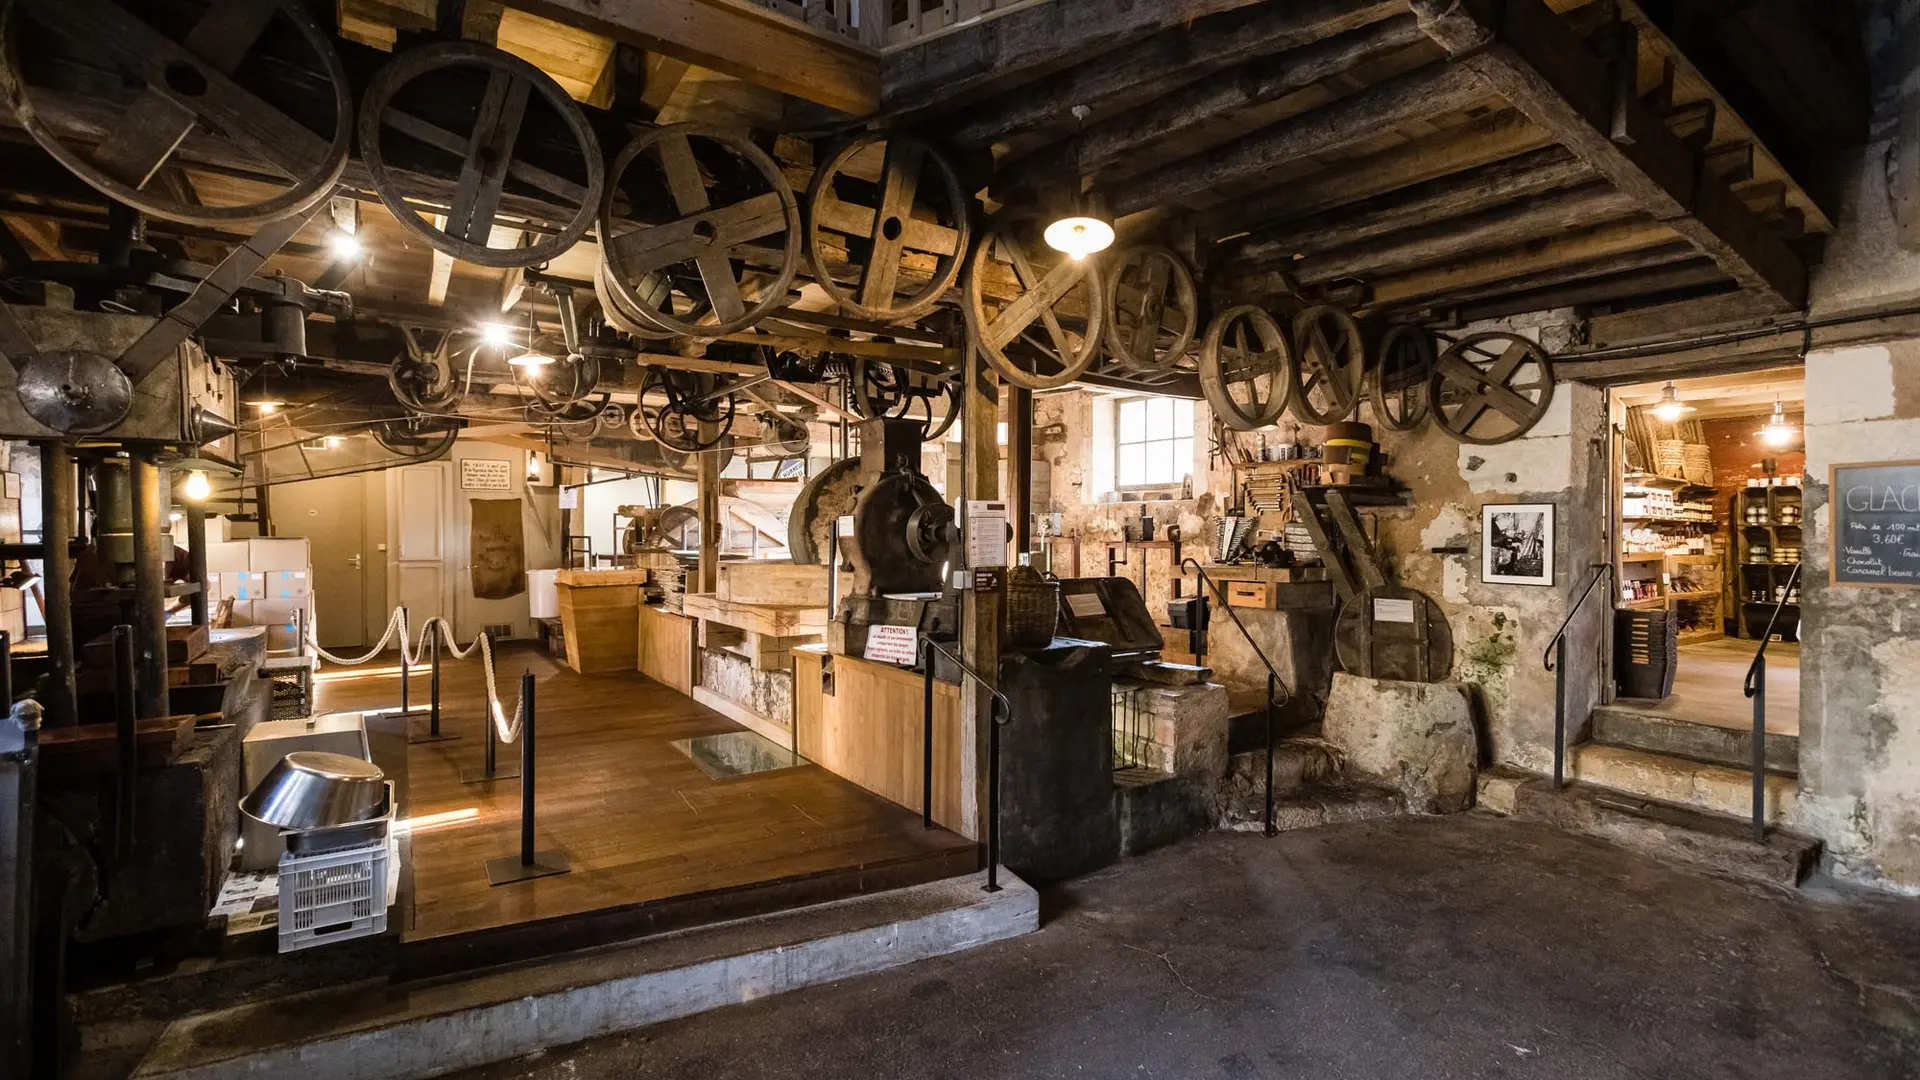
column 738, row 39
column 1432, row 90
column 1498, row 266
column 1695, row 271
column 1539, row 65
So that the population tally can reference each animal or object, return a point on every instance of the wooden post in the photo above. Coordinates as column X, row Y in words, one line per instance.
column 707, row 472
column 980, row 612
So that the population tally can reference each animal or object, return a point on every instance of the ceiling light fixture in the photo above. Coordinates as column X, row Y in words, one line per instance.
column 499, row 335
column 532, row 361
column 1081, row 231
column 265, row 406
column 197, row 487
column 345, row 245
column 1777, row 433
column 1670, row 407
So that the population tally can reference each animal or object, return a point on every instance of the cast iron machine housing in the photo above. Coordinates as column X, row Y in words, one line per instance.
column 902, row 543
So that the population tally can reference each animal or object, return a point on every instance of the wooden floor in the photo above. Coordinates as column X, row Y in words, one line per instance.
column 1707, row 686
column 640, row 822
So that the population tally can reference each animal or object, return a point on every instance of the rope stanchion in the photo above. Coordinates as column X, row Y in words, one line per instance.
column 528, row 864
column 505, row 726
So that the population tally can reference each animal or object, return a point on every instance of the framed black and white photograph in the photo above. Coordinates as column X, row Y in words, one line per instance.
column 1516, row 544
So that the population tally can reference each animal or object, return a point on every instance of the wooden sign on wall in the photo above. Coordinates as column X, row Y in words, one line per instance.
column 1875, row 539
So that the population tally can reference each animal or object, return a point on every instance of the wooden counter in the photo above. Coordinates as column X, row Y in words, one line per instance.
column 599, row 615
column 666, row 647
column 870, row 729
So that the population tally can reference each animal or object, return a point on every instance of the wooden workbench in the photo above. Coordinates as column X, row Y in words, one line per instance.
column 599, row 617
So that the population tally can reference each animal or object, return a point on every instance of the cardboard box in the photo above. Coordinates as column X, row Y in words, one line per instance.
column 242, row 614
column 278, row 616
column 245, row 585
column 265, row 553
column 216, row 589
column 286, row 585
column 227, row 558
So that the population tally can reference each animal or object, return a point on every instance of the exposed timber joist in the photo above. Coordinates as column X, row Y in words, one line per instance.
column 1502, row 227
column 1150, row 69
column 1544, row 69
column 1428, row 92
column 736, row 38
column 1546, row 169
column 1695, row 272
column 1495, row 267
column 1257, row 82
column 963, row 63
column 1480, row 142
column 1532, row 277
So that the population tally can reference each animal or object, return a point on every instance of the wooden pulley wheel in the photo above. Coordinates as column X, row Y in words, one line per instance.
column 1391, row 632
column 889, row 202
column 470, row 146
column 1036, row 314
column 1331, row 363
column 1400, row 376
column 712, row 213
column 200, row 93
column 619, row 308
column 1491, row 388
column 1153, row 307
column 1246, row 368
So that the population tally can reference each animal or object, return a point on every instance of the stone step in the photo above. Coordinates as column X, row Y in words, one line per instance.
column 377, row 1029
column 1712, row 842
column 1636, row 730
column 1297, row 763
column 1718, row 789
column 1334, row 802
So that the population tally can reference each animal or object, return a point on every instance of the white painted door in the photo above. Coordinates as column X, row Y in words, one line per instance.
column 417, row 529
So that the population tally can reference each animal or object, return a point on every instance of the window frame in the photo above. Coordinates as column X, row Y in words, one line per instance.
column 1183, row 467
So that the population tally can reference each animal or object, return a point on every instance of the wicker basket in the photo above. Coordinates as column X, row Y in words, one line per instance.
column 1670, row 457
column 1033, row 607
column 1697, row 464
column 1646, row 651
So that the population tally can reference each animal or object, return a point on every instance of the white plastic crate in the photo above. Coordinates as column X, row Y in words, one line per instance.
column 334, row 896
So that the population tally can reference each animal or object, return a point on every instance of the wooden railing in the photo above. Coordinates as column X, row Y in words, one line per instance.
column 881, row 23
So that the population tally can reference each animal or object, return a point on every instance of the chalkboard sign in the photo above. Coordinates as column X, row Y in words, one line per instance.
column 1876, row 524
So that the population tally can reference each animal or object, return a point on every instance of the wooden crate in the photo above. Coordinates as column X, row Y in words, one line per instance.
column 1250, row 594
column 779, row 583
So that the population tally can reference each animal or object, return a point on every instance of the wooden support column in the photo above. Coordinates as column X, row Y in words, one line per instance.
column 980, row 612
column 1020, row 468
column 707, row 475
column 1540, row 65
column 149, row 587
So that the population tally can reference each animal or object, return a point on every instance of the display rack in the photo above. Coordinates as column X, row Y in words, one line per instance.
column 1681, row 576
column 1767, row 531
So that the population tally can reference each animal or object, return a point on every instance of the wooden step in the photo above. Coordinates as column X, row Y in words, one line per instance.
column 1682, row 781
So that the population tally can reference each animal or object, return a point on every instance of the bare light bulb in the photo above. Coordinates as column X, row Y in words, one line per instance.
column 1671, row 408
column 345, row 245
column 499, row 335
column 1778, row 433
column 196, row 488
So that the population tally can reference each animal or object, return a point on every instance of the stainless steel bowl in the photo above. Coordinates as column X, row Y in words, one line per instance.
column 311, row 789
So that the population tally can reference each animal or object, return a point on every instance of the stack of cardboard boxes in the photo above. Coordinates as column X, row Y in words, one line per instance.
column 269, row 580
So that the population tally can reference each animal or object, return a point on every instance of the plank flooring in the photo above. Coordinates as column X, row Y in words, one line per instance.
column 640, row 822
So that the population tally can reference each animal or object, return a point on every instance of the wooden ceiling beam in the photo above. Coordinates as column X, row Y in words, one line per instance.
column 1257, row 82
column 1541, row 66
column 1546, row 169
column 736, row 38
column 1496, row 267
column 1445, row 240
column 1148, row 70
column 1528, row 279
column 963, row 64
column 1419, row 95
column 1696, row 271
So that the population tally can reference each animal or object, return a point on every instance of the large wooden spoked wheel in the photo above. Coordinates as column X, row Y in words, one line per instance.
column 1399, row 383
column 1153, row 308
column 1332, row 361
column 453, row 186
column 878, row 226
column 1246, row 368
column 1491, row 388
column 187, row 104
column 714, row 215
column 1035, row 314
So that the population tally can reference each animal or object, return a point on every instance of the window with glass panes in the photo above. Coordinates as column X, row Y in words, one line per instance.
column 1155, row 441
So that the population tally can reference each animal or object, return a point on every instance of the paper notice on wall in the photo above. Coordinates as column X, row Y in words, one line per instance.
column 986, row 533
column 485, row 474
column 569, row 498
column 1400, row 611
column 1086, row 605
column 893, row 644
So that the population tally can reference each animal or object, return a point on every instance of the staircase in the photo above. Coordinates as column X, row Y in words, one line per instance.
column 1698, row 765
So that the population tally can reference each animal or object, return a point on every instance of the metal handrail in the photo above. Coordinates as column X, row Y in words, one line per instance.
column 1002, row 714
column 1755, row 688
column 1555, row 659
column 1273, row 677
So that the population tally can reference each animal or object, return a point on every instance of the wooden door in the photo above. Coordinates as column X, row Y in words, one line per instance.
column 332, row 514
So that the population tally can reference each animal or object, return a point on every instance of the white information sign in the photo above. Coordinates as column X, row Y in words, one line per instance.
column 1086, row 605
column 1392, row 610
column 569, row 498
column 486, row 474
column 893, row 644
column 986, row 533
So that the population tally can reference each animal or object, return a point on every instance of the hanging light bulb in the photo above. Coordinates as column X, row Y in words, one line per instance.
column 345, row 245
column 530, row 360
column 1670, row 407
column 499, row 335
column 196, row 488
column 1079, row 236
column 265, row 407
column 1777, row 432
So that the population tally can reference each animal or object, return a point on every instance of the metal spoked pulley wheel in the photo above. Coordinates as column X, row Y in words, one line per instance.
column 422, row 379
column 420, row 438
column 194, row 87
column 481, row 153
column 1036, row 314
column 711, row 215
column 1153, row 307
column 1399, row 383
column 1491, row 388
column 1246, row 368
column 694, row 413
column 1331, row 362
column 877, row 209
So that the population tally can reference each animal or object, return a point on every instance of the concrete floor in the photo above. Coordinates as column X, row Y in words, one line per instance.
column 1468, row 946
column 1708, row 686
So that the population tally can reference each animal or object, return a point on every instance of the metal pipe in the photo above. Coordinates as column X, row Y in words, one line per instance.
column 1271, row 830
column 57, row 518
column 1560, row 713
column 406, row 642
column 526, row 767
column 490, row 759
column 926, row 756
column 996, row 718
column 197, row 559
column 150, row 585
column 126, row 741
column 1760, row 750
column 433, row 713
